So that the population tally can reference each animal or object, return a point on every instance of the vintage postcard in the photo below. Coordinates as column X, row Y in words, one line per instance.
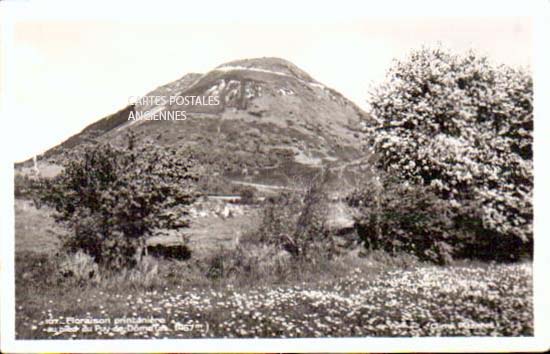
column 274, row 177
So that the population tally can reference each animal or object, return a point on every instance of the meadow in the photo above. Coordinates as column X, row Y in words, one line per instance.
column 424, row 301
column 262, row 294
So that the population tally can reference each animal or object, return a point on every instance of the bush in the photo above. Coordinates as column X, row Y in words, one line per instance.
column 247, row 196
column 79, row 267
column 250, row 263
column 401, row 218
column 462, row 128
column 296, row 221
column 113, row 198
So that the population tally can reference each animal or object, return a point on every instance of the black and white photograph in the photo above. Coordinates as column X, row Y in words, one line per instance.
column 200, row 172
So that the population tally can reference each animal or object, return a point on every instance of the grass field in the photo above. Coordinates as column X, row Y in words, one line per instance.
column 35, row 229
column 259, row 294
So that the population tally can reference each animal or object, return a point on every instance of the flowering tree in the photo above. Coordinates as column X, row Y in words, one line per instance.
column 463, row 127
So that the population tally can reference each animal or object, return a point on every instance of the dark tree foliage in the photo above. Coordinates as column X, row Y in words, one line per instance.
column 399, row 217
column 113, row 198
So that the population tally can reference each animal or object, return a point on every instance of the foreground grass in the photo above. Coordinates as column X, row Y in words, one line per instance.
column 471, row 299
column 254, row 292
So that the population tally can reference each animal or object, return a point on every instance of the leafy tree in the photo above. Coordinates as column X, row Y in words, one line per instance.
column 113, row 198
column 463, row 127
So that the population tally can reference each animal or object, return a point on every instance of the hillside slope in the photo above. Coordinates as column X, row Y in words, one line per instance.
column 273, row 123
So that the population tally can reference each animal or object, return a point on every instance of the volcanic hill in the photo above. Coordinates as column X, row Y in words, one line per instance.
column 272, row 123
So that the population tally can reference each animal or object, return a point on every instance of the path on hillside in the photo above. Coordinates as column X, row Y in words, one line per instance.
column 266, row 187
column 271, row 187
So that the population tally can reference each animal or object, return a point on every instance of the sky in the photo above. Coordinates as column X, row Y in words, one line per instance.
column 67, row 73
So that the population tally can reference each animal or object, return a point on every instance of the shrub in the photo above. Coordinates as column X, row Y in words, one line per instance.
column 402, row 218
column 247, row 196
column 144, row 275
column 296, row 221
column 79, row 267
column 113, row 198
column 278, row 217
column 250, row 263
column 462, row 127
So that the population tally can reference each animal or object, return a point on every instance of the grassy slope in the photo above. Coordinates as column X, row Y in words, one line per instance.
column 424, row 301
column 347, row 296
column 35, row 229
column 297, row 132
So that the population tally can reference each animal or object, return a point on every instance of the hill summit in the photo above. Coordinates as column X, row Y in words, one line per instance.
column 267, row 122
